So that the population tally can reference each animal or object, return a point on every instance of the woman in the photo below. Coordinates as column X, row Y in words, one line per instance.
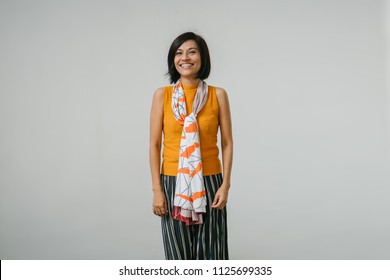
column 188, row 191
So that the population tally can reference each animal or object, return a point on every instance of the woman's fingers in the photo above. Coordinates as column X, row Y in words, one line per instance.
column 219, row 202
column 160, row 211
column 159, row 204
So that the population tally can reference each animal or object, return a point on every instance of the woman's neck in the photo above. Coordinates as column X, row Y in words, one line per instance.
column 189, row 81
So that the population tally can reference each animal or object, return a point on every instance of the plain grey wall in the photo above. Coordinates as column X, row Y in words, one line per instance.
column 307, row 84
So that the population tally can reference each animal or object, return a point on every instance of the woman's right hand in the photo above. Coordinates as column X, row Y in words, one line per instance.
column 159, row 204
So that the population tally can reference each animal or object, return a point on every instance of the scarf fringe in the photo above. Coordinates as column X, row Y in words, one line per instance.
column 190, row 217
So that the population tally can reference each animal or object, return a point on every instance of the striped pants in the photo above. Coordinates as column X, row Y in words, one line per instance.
column 207, row 241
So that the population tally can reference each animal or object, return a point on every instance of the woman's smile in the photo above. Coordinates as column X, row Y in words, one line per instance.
column 186, row 65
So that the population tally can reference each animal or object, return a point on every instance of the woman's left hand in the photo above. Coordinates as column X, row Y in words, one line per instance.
column 221, row 197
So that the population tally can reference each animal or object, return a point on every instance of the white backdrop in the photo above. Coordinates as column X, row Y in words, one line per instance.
column 307, row 85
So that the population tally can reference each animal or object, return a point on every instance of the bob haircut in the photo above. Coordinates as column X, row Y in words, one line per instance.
column 205, row 66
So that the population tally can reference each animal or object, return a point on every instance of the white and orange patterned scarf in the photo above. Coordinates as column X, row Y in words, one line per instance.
column 190, row 194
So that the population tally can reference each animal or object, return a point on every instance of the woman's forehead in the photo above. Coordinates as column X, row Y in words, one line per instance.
column 189, row 44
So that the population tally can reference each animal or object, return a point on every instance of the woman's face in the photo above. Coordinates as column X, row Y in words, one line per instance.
column 187, row 60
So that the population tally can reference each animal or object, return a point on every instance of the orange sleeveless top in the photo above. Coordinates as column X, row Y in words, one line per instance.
column 208, row 121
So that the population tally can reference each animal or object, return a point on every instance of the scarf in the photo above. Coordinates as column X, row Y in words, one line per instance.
column 190, row 195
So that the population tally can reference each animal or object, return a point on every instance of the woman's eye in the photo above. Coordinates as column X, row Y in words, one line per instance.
column 178, row 53
column 192, row 52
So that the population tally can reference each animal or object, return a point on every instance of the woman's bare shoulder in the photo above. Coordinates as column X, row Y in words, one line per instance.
column 221, row 93
column 159, row 91
column 159, row 94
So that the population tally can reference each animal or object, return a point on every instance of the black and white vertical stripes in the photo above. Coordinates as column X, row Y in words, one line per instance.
column 207, row 241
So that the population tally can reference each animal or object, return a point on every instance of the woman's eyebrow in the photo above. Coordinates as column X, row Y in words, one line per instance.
column 192, row 48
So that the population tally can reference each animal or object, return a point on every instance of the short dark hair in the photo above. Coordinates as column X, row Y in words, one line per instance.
column 205, row 67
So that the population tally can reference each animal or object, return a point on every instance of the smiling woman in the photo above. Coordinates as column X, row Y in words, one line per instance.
column 188, row 48
column 189, row 193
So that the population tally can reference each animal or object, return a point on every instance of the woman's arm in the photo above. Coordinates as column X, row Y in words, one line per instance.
column 156, row 123
column 225, row 123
